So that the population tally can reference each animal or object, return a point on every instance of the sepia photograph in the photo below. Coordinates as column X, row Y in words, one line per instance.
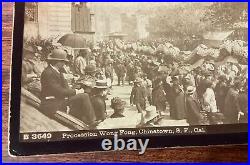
column 99, row 65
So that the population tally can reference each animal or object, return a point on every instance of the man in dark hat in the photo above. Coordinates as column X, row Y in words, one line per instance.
column 90, row 72
column 109, row 70
column 201, row 87
column 193, row 107
column 121, row 72
column 159, row 96
column 221, row 90
column 232, row 107
column 138, row 95
column 56, row 94
column 98, row 96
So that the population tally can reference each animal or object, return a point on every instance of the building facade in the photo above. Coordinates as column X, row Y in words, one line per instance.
column 49, row 19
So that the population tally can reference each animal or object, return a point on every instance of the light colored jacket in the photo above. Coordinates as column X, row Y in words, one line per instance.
column 209, row 99
column 80, row 64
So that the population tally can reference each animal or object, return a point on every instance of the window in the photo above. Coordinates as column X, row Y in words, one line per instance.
column 31, row 11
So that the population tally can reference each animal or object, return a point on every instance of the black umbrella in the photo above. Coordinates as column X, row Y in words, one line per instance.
column 73, row 40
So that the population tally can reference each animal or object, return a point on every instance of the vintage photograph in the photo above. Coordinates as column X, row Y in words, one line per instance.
column 100, row 65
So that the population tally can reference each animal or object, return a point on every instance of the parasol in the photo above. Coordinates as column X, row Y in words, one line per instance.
column 73, row 41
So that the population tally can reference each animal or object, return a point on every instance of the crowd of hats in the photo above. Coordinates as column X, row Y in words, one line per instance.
column 237, row 49
column 229, row 51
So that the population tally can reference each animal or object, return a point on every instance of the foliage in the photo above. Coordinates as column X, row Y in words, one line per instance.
column 225, row 15
column 182, row 20
column 41, row 46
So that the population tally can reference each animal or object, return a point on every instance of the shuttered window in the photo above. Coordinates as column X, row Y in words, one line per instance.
column 31, row 12
column 80, row 17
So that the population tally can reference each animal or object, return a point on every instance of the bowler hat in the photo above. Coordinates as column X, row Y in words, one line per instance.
column 101, row 84
column 58, row 55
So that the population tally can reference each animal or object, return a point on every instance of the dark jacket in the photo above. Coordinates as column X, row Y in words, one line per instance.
column 138, row 95
column 99, row 106
column 158, row 95
column 54, row 85
column 231, row 107
column 220, row 95
column 193, row 109
column 109, row 72
column 121, row 70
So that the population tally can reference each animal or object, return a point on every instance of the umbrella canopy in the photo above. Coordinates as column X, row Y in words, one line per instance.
column 73, row 41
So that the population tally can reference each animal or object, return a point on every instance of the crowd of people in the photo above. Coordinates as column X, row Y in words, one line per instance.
column 78, row 83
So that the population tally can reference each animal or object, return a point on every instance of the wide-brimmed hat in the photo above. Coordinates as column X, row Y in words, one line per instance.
column 58, row 55
column 90, row 68
column 117, row 103
column 150, row 113
column 190, row 90
column 101, row 84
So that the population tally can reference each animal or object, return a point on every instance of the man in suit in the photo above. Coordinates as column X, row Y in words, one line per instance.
column 193, row 108
column 98, row 95
column 121, row 72
column 56, row 94
column 138, row 95
column 232, row 108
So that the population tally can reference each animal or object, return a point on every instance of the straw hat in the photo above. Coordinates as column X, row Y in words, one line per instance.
column 101, row 84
